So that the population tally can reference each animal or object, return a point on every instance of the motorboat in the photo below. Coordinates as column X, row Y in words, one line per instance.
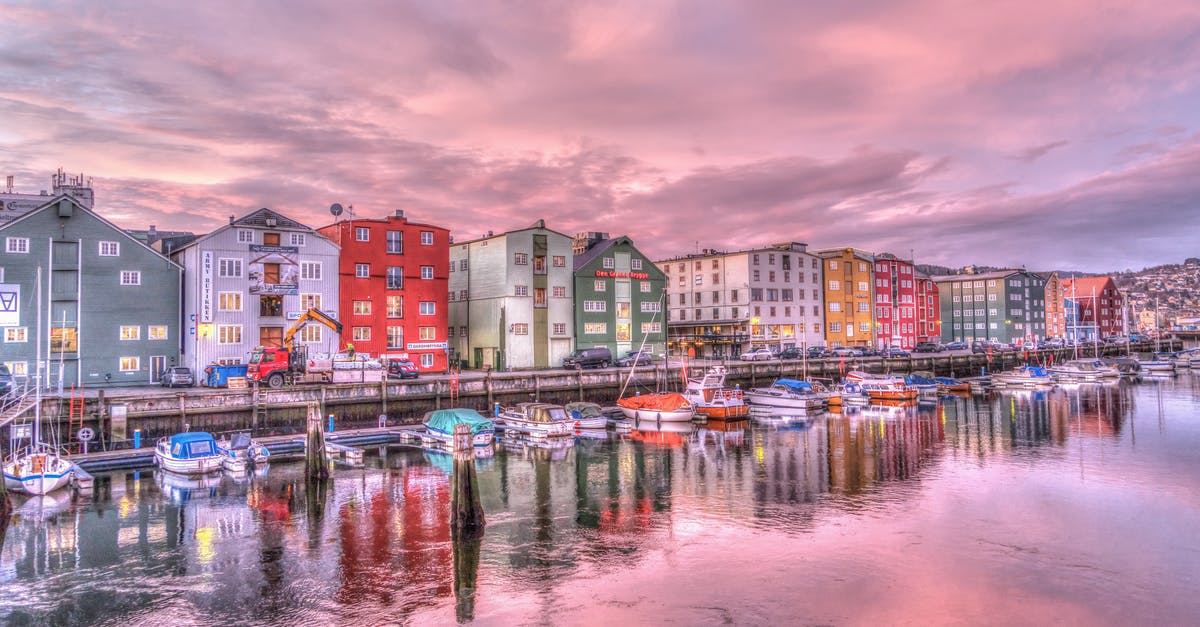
column 242, row 447
column 1159, row 362
column 709, row 396
column 189, row 453
column 1084, row 370
column 850, row 393
column 950, row 384
column 587, row 415
column 882, row 387
column 536, row 420
column 789, row 393
column 440, row 424
column 1127, row 366
column 1025, row 376
column 38, row 469
column 923, row 382
column 660, row 407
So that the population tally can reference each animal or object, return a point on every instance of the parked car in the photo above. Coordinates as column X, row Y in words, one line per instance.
column 595, row 357
column 177, row 376
column 817, row 352
column 980, row 346
column 895, row 351
column 402, row 369
column 1054, row 342
column 791, row 353
column 955, row 346
column 634, row 358
column 758, row 354
column 927, row 347
column 1115, row 339
column 846, row 351
column 6, row 380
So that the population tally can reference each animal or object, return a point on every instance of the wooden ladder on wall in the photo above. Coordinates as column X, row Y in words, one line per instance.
column 75, row 418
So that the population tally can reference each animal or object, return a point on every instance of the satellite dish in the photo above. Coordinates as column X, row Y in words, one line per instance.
column 335, row 209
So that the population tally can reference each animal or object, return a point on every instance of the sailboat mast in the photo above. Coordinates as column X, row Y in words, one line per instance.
column 37, row 377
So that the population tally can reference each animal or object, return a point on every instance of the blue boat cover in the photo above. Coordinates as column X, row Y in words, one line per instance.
column 443, row 420
column 794, row 384
column 1036, row 371
column 916, row 379
column 947, row 380
column 193, row 444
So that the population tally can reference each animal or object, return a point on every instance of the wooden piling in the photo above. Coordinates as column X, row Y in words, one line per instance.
column 466, row 573
column 466, row 510
column 316, row 467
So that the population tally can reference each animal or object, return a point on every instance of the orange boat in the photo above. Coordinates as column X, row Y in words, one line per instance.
column 669, row 407
column 710, row 397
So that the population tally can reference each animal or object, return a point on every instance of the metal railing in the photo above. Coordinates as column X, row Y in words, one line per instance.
column 19, row 400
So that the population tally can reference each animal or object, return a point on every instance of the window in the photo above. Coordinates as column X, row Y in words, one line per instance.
column 835, row 327
column 559, row 291
column 771, row 276
column 462, row 294
column 521, row 259
column 427, row 333
column 229, row 334
column 835, row 286
column 229, row 301
column 651, row 327
column 756, row 294
column 395, row 337
column 520, row 290
column 835, row 306
column 560, row 328
column 609, row 263
column 395, row 278
column 362, row 234
column 131, row 277
column 245, row 236
column 395, row 306
column 650, row 307
column 426, row 272
column 635, row 264
column 362, row 334
column 539, row 264
column 427, row 308
column 862, row 267
column 462, row 265
column 862, row 286
column 520, row 328
column 426, row 360
column 539, row 297
column 16, row 334
column 864, row 307
column 427, row 238
column 110, row 249
column 699, row 279
column 644, row 287
column 595, row 306
column 270, row 306
column 462, row 331
column 559, row 261
column 130, row 364
column 297, row 239
column 786, row 294
column 395, row 244
column 310, row 270
column 756, row 275
column 229, row 268
column 595, row 328
column 864, row 326
column 833, row 266
column 310, row 301
column 310, row 334
column 156, row 332
column 362, row 270
column 362, row 307
column 600, row 285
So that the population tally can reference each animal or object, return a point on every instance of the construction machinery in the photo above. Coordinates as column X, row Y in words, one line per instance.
column 292, row 364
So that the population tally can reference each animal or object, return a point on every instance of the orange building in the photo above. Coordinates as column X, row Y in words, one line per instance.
column 1056, row 319
column 849, row 296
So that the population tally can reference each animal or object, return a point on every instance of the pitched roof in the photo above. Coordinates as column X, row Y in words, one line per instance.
column 998, row 274
column 1085, row 285
column 258, row 219
column 595, row 251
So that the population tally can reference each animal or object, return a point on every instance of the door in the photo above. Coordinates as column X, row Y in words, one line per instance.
column 158, row 363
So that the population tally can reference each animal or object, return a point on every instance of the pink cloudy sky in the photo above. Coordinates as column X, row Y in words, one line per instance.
column 1048, row 133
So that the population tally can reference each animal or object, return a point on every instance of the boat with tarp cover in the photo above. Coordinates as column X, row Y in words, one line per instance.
column 665, row 407
column 189, row 453
column 789, row 393
column 536, row 419
column 587, row 415
column 439, row 425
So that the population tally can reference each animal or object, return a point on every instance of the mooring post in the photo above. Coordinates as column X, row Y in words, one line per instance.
column 383, row 394
column 316, row 468
column 466, row 511
column 254, row 406
column 5, row 511
column 537, row 388
column 487, row 382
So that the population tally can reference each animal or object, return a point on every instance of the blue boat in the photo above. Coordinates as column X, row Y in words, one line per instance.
column 191, row 453
column 926, row 386
column 439, row 425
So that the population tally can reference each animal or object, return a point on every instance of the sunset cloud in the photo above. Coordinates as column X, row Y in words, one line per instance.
column 1036, row 133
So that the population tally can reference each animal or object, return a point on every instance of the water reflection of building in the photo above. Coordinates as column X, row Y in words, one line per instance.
column 893, row 443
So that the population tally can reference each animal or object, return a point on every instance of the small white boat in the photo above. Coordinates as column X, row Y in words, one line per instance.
column 190, row 453
column 1025, row 376
column 1084, row 370
column 1160, row 362
column 882, row 387
column 587, row 415
column 38, row 470
column 536, row 419
column 665, row 407
column 788, row 393
column 241, row 447
column 439, row 425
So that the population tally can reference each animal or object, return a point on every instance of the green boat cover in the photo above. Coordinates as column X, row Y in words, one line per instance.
column 583, row 410
column 443, row 420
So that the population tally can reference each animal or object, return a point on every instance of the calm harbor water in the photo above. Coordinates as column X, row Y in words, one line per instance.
column 1078, row 505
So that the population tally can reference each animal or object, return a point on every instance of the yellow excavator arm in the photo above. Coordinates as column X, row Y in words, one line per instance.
column 312, row 315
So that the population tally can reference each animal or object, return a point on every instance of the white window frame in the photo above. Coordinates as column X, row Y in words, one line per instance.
column 226, row 263
column 595, row 306
column 129, row 364
column 131, row 277
column 424, row 310
column 520, row 290
column 109, row 249
column 365, row 310
column 16, row 245
column 157, row 331
column 130, row 332
column 362, row 234
column 558, row 291
column 223, row 295
column 427, row 333
column 245, row 236
column 311, row 334
column 427, row 238
column 426, row 360
column 16, row 335
column 361, row 334
column 298, row 239
column 427, row 273
column 601, row 285
column 310, row 270
column 362, row 270
column 229, row 330
column 635, row 264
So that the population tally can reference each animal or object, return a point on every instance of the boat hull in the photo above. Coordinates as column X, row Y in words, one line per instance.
column 724, row 411
column 38, row 477
column 791, row 402
column 892, row 395
column 549, row 429
column 658, row 415
column 194, row 466
column 481, row 439
column 592, row 422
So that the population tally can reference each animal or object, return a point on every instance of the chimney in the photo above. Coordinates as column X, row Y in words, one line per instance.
column 399, row 213
column 231, row 219
column 152, row 236
column 489, row 234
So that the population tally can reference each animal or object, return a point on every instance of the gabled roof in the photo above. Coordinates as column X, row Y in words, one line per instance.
column 998, row 274
column 258, row 219
column 540, row 224
column 597, row 250
column 1085, row 285
column 79, row 207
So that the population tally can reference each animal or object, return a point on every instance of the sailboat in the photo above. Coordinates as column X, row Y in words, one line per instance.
column 39, row 468
column 661, row 407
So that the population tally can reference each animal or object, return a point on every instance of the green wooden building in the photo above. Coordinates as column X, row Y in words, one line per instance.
column 618, row 296
column 1006, row 305
column 106, row 308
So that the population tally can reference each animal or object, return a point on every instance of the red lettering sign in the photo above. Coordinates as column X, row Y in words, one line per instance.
column 612, row 274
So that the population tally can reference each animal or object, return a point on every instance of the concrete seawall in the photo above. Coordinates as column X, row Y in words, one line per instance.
column 263, row 410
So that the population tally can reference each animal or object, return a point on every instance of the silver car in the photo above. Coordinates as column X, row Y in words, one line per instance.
column 177, row 376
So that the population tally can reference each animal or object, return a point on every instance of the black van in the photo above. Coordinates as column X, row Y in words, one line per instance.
column 598, row 357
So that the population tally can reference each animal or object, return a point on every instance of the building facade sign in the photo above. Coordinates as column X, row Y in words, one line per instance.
column 206, row 287
column 274, row 272
column 427, row 346
column 610, row 274
column 10, row 305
